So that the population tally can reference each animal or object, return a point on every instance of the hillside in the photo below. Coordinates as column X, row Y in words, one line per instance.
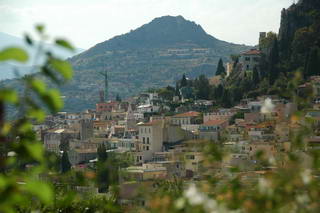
column 154, row 55
column 295, row 49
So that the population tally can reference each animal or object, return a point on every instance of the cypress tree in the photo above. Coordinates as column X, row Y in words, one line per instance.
column 118, row 98
column 313, row 62
column 102, row 153
column 273, row 62
column 102, row 169
column 226, row 99
column 183, row 82
column 220, row 69
column 176, row 92
column 65, row 163
column 255, row 76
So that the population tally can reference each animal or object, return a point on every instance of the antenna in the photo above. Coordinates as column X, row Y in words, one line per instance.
column 106, row 88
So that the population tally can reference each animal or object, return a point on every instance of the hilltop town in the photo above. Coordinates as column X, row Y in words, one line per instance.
column 161, row 136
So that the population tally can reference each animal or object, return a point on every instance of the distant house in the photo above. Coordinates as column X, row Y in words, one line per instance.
column 54, row 137
column 210, row 130
column 193, row 161
column 250, row 59
column 222, row 114
column 185, row 118
column 261, row 132
column 151, row 138
column 82, row 155
column 268, row 149
column 107, row 106
column 148, row 108
column 147, row 171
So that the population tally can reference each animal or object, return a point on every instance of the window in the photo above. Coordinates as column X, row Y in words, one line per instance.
column 144, row 140
column 147, row 147
column 149, row 130
column 148, row 142
column 247, row 59
column 190, row 157
column 248, row 66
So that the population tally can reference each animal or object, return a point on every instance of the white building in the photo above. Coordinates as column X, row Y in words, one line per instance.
column 151, row 138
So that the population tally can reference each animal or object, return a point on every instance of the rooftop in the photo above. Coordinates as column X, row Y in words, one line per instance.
column 214, row 122
column 187, row 114
column 151, row 123
column 252, row 52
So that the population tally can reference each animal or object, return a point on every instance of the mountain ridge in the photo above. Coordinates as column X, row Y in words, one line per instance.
column 161, row 32
column 151, row 56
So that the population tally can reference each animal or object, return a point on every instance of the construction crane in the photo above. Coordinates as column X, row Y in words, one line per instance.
column 106, row 88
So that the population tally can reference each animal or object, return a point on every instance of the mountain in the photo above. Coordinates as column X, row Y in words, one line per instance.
column 163, row 32
column 7, row 69
column 154, row 55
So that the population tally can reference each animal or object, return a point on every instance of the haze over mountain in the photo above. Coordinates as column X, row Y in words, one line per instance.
column 154, row 55
column 6, row 69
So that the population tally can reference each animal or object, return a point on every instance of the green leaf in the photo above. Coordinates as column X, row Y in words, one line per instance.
column 53, row 100
column 28, row 39
column 41, row 190
column 37, row 114
column 40, row 28
column 35, row 150
column 8, row 95
column 38, row 86
column 14, row 53
column 63, row 67
column 24, row 127
column 65, row 44
column 47, row 72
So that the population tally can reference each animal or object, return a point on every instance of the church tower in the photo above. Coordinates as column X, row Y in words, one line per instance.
column 106, row 86
column 130, row 121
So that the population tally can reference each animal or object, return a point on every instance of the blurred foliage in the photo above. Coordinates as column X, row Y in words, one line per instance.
column 29, row 178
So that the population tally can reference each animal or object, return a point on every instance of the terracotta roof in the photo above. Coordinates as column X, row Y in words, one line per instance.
column 151, row 123
column 187, row 114
column 214, row 122
column 252, row 52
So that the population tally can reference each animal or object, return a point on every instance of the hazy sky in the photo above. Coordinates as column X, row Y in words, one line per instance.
column 87, row 22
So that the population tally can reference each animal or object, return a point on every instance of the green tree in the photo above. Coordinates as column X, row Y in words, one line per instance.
column 220, row 69
column 65, row 163
column 183, row 82
column 102, row 153
column 167, row 93
column 273, row 62
column 202, row 87
column 226, row 99
column 313, row 62
column 255, row 76
column 118, row 98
